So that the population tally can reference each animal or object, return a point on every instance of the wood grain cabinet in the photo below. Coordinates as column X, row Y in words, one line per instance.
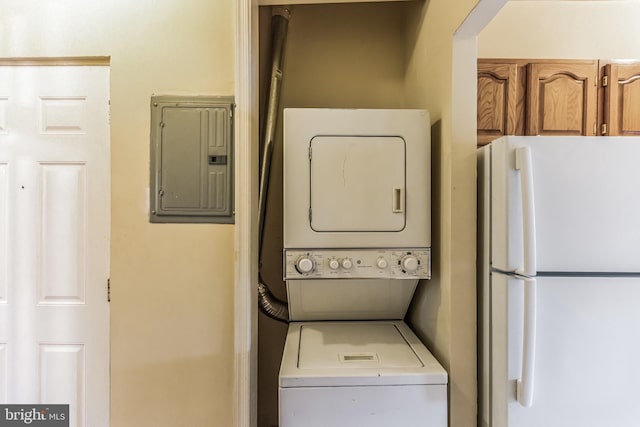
column 621, row 99
column 497, row 92
column 555, row 97
column 562, row 98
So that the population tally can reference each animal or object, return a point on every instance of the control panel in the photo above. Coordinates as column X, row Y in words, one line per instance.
column 357, row 263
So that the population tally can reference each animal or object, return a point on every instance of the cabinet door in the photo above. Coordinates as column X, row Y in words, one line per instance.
column 622, row 99
column 562, row 98
column 497, row 89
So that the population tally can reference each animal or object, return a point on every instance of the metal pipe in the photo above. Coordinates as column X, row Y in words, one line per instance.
column 268, row 303
column 279, row 26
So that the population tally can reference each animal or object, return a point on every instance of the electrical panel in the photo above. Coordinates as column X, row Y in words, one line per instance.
column 191, row 159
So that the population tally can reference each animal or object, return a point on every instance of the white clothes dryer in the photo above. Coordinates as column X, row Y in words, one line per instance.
column 357, row 205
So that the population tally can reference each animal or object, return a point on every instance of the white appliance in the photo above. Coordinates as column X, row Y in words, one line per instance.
column 360, row 374
column 560, row 282
column 356, row 208
column 356, row 242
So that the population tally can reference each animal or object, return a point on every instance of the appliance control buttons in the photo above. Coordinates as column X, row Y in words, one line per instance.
column 409, row 263
column 382, row 263
column 305, row 264
column 323, row 263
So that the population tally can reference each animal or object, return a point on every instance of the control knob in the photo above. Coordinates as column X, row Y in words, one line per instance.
column 305, row 264
column 334, row 264
column 409, row 263
column 381, row 263
column 347, row 263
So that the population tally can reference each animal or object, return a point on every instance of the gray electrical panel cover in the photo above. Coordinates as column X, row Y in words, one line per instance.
column 191, row 159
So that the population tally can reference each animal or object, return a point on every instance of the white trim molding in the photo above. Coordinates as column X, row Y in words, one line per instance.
column 246, row 228
column 463, row 389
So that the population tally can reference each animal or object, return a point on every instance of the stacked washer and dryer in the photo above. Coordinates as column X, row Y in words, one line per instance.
column 357, row 239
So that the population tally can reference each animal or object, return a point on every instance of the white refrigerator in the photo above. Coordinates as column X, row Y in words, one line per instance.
column 559, row 282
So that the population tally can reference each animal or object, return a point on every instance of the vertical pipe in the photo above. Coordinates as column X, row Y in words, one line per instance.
column 267, row 302
column 279, row 26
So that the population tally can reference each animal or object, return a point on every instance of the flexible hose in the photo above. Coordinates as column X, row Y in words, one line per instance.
column 270, row 305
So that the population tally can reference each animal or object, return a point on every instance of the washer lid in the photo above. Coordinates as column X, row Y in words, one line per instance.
column 322, row 354
column 353, row 346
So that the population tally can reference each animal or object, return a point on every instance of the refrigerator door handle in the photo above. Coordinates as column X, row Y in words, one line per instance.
column 524, row 389
column 525, row 165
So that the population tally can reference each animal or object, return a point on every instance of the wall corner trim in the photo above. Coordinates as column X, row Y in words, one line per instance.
column 245, row 398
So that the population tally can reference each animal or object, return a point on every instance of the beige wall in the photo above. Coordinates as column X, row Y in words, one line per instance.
column 569, row 29
column 172, row 285
column 443, row 310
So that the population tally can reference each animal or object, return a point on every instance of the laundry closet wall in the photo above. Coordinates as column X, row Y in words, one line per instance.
column 171, row 284
column 443, row 311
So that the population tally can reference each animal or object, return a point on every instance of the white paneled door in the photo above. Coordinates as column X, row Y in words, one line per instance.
column 54, row 238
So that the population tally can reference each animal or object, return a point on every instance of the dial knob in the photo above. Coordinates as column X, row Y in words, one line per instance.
column 305, row 264
column 334, row 264
column 382, row 263
column 409, row 263
column 347, row 263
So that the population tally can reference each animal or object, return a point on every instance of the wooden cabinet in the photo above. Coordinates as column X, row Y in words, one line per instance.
column 562, row 98
column 497, row 92
column 536, row 97
column 621, row 96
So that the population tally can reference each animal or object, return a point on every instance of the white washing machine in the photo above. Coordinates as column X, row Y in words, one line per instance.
column 356, row 241
column 369, row 374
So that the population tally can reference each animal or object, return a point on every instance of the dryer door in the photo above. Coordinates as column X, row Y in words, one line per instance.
column 357, row 183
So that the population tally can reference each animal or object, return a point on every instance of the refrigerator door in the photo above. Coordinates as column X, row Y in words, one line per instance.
column 586, row 368
column 585, row 195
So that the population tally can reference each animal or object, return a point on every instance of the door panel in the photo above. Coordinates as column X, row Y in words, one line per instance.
column 54, row 189
column 3, row 372
column 582, row 221
column 4, row 230
column 562, row 98
column 497, row 98
column 63, row 375
column 63, row 234
column 586, row 369
column 622, row 99
column 357, row 183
